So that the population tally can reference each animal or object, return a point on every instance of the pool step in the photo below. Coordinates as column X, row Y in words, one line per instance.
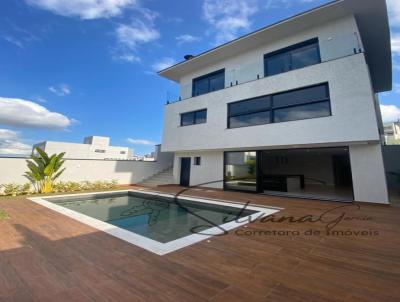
column 162, row 178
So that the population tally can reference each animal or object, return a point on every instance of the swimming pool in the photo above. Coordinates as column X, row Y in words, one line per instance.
column 160, row 223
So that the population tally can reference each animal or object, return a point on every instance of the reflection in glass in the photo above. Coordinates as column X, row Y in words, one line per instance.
column 241, row 171
column 252, row 119
column 314, row 110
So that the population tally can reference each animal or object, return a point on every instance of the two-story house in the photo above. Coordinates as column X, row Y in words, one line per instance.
column 290, row 109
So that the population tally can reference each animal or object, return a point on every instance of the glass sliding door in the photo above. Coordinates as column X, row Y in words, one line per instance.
column 241, row 171
column 323, row 173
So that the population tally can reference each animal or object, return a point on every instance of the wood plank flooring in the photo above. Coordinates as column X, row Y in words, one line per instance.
column 45, row 256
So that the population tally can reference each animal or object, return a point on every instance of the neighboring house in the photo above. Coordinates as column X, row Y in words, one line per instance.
column 392, row 133
column 290, row 109
column 93, row 147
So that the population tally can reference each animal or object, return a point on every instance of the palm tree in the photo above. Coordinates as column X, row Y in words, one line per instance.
column 44, row 170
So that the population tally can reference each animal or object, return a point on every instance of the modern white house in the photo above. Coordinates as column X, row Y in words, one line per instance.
column 93, row 147
column 291, row 109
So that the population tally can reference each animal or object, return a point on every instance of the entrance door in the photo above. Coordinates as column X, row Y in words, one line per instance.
column 185, row 171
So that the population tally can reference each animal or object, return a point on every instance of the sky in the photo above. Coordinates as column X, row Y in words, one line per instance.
column 75, row 68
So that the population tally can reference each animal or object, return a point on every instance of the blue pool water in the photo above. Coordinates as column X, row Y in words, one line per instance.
column 159, row 218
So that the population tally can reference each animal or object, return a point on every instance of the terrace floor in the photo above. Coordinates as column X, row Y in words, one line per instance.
column 45, row 256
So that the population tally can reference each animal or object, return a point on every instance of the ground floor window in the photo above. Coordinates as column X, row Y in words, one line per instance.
column 311, row 173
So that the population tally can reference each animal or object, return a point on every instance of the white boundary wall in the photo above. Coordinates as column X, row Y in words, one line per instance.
column 124, row 171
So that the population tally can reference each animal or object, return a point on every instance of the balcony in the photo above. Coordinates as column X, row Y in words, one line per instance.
column 331, row 48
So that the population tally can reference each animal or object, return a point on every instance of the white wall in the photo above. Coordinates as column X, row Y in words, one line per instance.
column 336, row 39
column 352, row 101
column 126, row 172
column 368, row 173
column 86, row 151
column 208, row 174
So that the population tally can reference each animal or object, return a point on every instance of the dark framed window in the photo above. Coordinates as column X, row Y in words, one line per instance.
column 210, row 82
column 100, row 151
column 197, row 161
column 294, row 57
column 299, row 104
column 194, row 117
column 122, row 152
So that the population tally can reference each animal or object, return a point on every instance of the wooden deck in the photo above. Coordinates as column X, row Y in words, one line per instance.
column 45, row 256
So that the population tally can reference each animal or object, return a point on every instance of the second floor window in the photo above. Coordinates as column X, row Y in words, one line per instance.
column 209, row 82
column 194, row 117
column 293, row 57
column 299, row 104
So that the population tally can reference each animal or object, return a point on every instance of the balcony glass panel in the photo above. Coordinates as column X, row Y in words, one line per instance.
column 305, row 56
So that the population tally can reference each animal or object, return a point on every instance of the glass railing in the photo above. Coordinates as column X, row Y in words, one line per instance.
column 331, row 48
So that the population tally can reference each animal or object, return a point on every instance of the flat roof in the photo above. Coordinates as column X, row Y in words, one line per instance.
column 372, row 20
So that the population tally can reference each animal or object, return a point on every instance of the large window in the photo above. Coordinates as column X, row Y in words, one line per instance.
column 241, row 171
column 293, row 57
column 304, row 103
column 209, row 82
column 194, row 117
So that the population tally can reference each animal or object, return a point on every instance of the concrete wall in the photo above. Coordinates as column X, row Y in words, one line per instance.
column 126, row 172
column 368, row 173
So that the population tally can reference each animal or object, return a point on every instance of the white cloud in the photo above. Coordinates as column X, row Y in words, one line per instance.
column 395, row 41
column 85, row 9
column 10, row 143
column 228, row 17
column 394, row 12
column 60, row 90
column 163, row 63
column 186, row 38
column 13, row 41
column 23, row 113
column 127, row 57
column 396, row 88
column 136, row 33
column 143, row 142
column 390, row 113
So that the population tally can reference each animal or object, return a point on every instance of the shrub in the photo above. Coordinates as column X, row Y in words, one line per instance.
column 14, row 189
column 59, row 187
column 44, row 170
column 71, row 186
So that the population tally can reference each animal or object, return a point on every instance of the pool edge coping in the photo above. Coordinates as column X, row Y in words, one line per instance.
column 148, row 244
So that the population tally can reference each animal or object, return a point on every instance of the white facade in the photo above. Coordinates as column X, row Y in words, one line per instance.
column 94, row 147
column 354, row 123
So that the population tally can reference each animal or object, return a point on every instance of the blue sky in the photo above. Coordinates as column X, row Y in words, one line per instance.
column 74, row 68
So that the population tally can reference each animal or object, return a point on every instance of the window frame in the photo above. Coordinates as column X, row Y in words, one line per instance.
column 208, row 76
column 194, row 117
column 288, row 50
column 197, row 161
column 272, row 108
